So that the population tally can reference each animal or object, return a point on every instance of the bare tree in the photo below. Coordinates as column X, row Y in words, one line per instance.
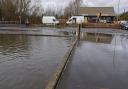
column 13, row 9
column 7, row 9
column 59, row 11
column 36, row 8
column 73, row 8
column 77, row 4
column 50, row 12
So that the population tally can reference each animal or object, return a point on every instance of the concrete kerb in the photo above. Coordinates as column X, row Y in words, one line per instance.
column 56, row 76
column 36, row 35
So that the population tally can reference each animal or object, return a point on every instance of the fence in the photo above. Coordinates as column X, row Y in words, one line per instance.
column 62, row 21
column 9, row 22
column 101, row 25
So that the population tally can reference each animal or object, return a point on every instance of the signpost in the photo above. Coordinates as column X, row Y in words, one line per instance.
column 98, row 16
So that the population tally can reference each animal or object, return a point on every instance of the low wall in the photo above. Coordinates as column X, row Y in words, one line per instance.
column 101, row 25
column 52, row 84
column 12, row 25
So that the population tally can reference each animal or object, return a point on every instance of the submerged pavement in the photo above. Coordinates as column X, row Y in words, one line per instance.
column 100, row 61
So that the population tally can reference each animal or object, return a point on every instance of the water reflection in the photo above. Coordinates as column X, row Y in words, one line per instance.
column 96, row 37
column 98, row 66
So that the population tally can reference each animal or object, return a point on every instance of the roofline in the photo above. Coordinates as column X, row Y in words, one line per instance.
column 96, row 15
column 98, row 7
column 109, row 7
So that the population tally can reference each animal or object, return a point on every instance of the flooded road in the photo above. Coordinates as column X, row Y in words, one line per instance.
column 100, row 61
column 28, row 62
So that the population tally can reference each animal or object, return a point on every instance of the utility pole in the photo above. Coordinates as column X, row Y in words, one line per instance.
column 20, row 10
column 124, row 10
column 76, row 7
column 118, row 10
column 124, row 16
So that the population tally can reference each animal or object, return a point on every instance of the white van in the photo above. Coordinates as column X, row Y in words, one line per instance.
column 76, row 20
column 50, row 20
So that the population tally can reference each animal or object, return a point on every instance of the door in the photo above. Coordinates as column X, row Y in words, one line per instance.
column 74, row 21
column 85, row 19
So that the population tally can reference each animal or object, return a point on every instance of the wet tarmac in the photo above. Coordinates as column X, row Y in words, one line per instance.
column 28, row 62
column 100, row 61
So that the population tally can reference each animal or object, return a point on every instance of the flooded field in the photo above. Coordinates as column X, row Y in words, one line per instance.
column 100, row 61
column 28, row 62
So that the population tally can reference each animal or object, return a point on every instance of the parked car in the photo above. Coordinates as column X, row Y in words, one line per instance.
column 123, row 22
column 103, row 21
column 50, row 20
column 124, row 26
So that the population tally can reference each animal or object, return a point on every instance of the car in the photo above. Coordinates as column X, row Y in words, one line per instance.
column 123, row 22
column 124, row 26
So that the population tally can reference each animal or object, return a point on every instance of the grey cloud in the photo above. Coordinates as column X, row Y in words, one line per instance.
column 63, row 3
column 123, row 3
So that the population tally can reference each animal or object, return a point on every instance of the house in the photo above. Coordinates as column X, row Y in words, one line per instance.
column 98, row 14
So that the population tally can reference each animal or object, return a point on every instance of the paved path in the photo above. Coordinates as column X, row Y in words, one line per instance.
column 98, row 65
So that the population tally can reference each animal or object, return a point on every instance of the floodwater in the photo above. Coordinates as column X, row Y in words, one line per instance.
column 37, row 31
column 100, row 61
column 28, row 62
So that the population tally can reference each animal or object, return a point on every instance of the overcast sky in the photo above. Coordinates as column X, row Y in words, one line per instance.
column 63, row 3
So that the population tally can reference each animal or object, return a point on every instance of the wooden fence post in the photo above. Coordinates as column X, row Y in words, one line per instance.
column 78, row 32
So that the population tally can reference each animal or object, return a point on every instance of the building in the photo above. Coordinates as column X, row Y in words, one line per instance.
column 98, row 14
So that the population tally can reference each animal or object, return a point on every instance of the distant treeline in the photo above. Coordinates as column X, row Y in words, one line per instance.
column 14, row 10
column 21, row 10
column 124, row 16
